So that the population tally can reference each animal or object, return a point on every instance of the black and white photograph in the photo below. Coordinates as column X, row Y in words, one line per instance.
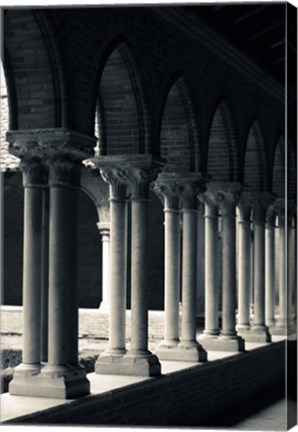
column 149, row 215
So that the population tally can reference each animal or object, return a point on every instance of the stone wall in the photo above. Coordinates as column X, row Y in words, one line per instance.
column 92, row 322
column 204, row 395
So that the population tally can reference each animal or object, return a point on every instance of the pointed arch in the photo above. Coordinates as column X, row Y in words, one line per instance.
column 31, row 69
column 278, row 174
column 222, row 153
column 255, row 163
column 178, row 129
column 121, row 110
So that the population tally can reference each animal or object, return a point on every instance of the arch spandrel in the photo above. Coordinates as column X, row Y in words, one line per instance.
column 178, row 129
column 222, row 152
column 278, row 175
column 121, row 110
column 255, row 163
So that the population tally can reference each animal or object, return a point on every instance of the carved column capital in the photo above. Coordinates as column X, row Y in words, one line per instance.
column 244, row 207
column 260, row 201
column 33, row 173
column 49, row 144
column 270, row 216
column 60, row 172
column 116, row 179
column 223, row 196
column 139, row 179
column 166, row 189
column 188, row 189
column 104, row 230
column 127, row 173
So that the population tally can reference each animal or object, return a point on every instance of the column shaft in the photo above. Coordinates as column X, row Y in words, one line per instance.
column 270, row 275
column 292, row 287
column 282, row 319
column 189, row 260
column 259, row 279
column 172, row 276
column 105, row 238
column 229, row 276
column 32, row 275
column 244, row 275
column 200, row 262
column 139, row 303
column 118, row 276
column 211, row 276
column 45, row 275
column 58, row 274
column 72, row 302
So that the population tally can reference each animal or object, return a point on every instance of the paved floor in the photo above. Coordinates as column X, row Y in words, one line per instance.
column 273, row 417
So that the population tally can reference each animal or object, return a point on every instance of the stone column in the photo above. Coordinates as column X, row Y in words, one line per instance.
column 244, row 266
column 292, row 270
column 228, row 198
column 223, row 197
column 31, row 366
column 73, row 300
column 291, row 267
column 104, row 230
column 45, row 275
column 110, row 360
column 211, row 328
column 166, row 188
column 284, row 324
column 139, row 360
column 259, row 332
column 59, row 149
column 190, row 349
column 62, row 377
column 200, row 264
column 270, row 268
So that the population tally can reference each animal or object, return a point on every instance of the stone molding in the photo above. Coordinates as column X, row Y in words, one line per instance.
column 179, row 190
column 244, row 207
column 49, row 144
column 188, row 189
column 270, row 216
column 223, row 196
column 139, row 179
column 33, row 173
column 116, row 179
column 128, row 175
column 104, row 229
column 260, row 201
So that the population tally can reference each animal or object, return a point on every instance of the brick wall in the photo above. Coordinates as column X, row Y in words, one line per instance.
column 93, row 323
column 158, row 49
column 210, row 394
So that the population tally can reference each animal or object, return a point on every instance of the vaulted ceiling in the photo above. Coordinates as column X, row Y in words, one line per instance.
column 260, row 30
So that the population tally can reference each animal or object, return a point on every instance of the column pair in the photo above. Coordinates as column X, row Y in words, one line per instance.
column 256, row 204
column 246, row 264
column 128, row 178
column 220, row 198
column 179, row 195
column 284, row 324
column 50, row 353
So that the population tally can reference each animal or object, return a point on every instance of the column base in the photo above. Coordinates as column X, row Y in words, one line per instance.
column 257, row 334
column 58, row 382
column 181, row 352
column 129, row 364
column 222, row 343
column 282, row 330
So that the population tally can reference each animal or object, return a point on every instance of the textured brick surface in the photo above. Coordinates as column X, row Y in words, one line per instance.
column 92, row 323
column 200, row 396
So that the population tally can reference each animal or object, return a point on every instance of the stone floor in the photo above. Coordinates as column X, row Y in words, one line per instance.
column 272, row 417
